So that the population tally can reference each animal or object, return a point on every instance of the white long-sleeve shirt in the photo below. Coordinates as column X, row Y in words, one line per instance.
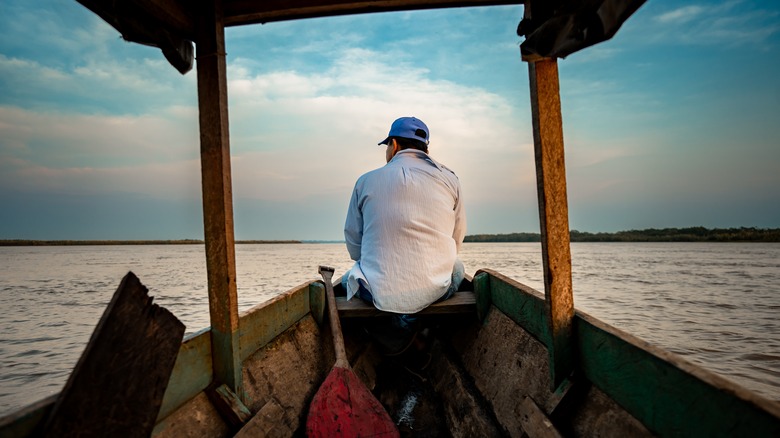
column 404, row 227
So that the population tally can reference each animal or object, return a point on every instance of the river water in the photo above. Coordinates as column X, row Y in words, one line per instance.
column 716, row 304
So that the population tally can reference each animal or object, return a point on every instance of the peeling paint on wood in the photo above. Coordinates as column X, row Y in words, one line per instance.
column 262, row 323
column 482, row 291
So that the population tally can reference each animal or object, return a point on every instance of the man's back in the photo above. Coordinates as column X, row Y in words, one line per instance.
column 405, row 224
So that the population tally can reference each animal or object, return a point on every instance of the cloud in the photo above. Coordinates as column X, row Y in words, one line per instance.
column 298, row 134
column 155, row 155
column 294, row 135
column 681, row 15
column 731, row 23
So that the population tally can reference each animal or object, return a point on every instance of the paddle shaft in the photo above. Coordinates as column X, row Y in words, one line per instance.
column 333, row 314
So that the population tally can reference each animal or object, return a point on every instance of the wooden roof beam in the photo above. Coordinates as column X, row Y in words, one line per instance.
column 239, row 12
column 171, row 14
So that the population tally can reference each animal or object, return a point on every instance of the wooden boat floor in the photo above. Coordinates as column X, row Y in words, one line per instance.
column 422, row 402
column 411, row 401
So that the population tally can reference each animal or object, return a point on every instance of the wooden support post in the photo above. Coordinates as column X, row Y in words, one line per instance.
column 553, row 214
column 217, row 195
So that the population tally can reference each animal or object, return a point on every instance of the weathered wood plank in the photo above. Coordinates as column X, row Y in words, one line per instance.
column 229, row 406
column 464, row 408
column 191, row 374
column 534, row 421
column 268, row 422
column 217, row 194
column 461, row 302
column 239, row 12
column 170, row 15
column 117, row 386
column 553, row 213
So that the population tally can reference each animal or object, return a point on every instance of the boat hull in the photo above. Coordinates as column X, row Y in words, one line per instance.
column 489, row 376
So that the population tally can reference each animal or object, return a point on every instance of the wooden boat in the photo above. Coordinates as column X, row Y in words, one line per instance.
column 506, row 359
column 489, row 375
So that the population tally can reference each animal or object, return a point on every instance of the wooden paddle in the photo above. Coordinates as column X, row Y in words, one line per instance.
column 343, row 406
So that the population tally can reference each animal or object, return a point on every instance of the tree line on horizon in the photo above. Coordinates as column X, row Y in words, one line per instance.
column 27, row 242
column 691, row 234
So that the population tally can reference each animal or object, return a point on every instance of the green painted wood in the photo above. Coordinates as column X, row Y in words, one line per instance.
column 671, row 396
column 521, row 303
column 481, row 285
column 317, row 301
column 261, row 324
column 192, row 372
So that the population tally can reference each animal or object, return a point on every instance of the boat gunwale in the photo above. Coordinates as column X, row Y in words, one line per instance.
column 288, row 308
column 640, row 365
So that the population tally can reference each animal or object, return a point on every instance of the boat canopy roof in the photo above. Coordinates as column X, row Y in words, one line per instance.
column 558, row 27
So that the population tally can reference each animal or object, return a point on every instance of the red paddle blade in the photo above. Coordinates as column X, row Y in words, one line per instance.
column 344, row 407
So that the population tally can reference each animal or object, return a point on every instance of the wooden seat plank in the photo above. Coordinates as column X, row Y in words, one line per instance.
column 461, row 302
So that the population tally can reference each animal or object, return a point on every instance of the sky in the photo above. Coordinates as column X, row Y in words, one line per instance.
column 675, row 122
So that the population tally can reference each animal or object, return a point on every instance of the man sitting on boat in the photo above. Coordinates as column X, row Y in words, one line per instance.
column 405, row 225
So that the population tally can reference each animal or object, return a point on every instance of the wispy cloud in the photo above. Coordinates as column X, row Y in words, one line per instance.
column 682, row 15
column 732, row 23
column 65, row 153
column 294, row 134
column 299, row 124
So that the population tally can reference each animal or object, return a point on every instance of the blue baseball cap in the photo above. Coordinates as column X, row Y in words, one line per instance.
column 408, row 127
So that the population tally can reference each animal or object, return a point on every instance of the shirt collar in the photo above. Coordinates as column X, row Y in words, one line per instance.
column 416, row 153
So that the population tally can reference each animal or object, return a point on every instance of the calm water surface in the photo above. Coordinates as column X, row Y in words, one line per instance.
column 716, row 304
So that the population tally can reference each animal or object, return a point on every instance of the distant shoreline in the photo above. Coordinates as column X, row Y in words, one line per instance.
column 692, row 234
column 25, row 242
